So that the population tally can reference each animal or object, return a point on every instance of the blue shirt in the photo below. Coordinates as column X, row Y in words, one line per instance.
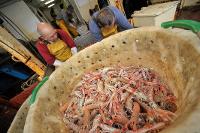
column 121, row 21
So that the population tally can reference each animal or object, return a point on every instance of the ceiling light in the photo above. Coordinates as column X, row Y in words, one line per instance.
column 51, row 5
column 42, row 0
column 48, row 2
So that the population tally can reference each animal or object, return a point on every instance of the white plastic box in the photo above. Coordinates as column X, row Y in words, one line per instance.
column 154, row 15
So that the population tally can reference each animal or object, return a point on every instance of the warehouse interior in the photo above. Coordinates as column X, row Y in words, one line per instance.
column 23, row 67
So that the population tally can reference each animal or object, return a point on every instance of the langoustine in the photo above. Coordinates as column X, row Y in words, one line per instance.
column 120, row 99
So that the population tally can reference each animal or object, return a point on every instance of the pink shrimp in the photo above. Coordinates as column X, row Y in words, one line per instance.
column 86, row 110
column 63, row 107
column 72, row 125
column 129, row 103
column 96, row 77
column 110, row 100
column 124, row 96
column 108, row 128
column 121, row 119
column 96, row 122
column 134, row 118
column 147, row 128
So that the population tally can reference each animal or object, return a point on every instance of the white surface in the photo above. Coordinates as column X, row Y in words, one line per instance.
column 57, row 63
column 84, row 6
column 155, row 10
column 82, row 2
column 23, row 17
column 154, row 15
column 74, row 50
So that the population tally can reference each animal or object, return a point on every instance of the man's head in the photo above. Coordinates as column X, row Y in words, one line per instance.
column 47, row 32
column 105, row 18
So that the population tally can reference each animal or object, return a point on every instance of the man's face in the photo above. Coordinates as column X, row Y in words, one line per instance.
column 109, row 28
column 51, row 35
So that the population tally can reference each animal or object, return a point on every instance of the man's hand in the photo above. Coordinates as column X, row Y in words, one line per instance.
column 74, row 50
column 57, row 63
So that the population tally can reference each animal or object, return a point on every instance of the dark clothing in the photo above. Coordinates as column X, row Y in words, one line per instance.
column 102, row 3
column 133, row 5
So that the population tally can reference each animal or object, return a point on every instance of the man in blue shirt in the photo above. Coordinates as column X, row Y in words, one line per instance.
column 108, row 21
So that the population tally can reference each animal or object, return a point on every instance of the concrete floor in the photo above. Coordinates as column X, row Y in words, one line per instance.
column 85, row 39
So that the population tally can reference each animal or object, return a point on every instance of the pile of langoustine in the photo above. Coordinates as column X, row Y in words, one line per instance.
column 120, row 100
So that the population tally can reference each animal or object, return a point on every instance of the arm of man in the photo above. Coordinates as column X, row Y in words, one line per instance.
column 44, row 52
column 94, row 29
column 121, row 19
column 68, row 40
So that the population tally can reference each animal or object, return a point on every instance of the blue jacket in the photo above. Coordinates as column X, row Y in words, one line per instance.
column 121, row 21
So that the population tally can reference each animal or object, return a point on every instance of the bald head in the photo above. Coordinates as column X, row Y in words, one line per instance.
column 46, row 31
column 44, row 28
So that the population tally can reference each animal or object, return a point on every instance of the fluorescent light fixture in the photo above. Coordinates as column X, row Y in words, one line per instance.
column 42, row 0
column 48, row 2
column 51, row 5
